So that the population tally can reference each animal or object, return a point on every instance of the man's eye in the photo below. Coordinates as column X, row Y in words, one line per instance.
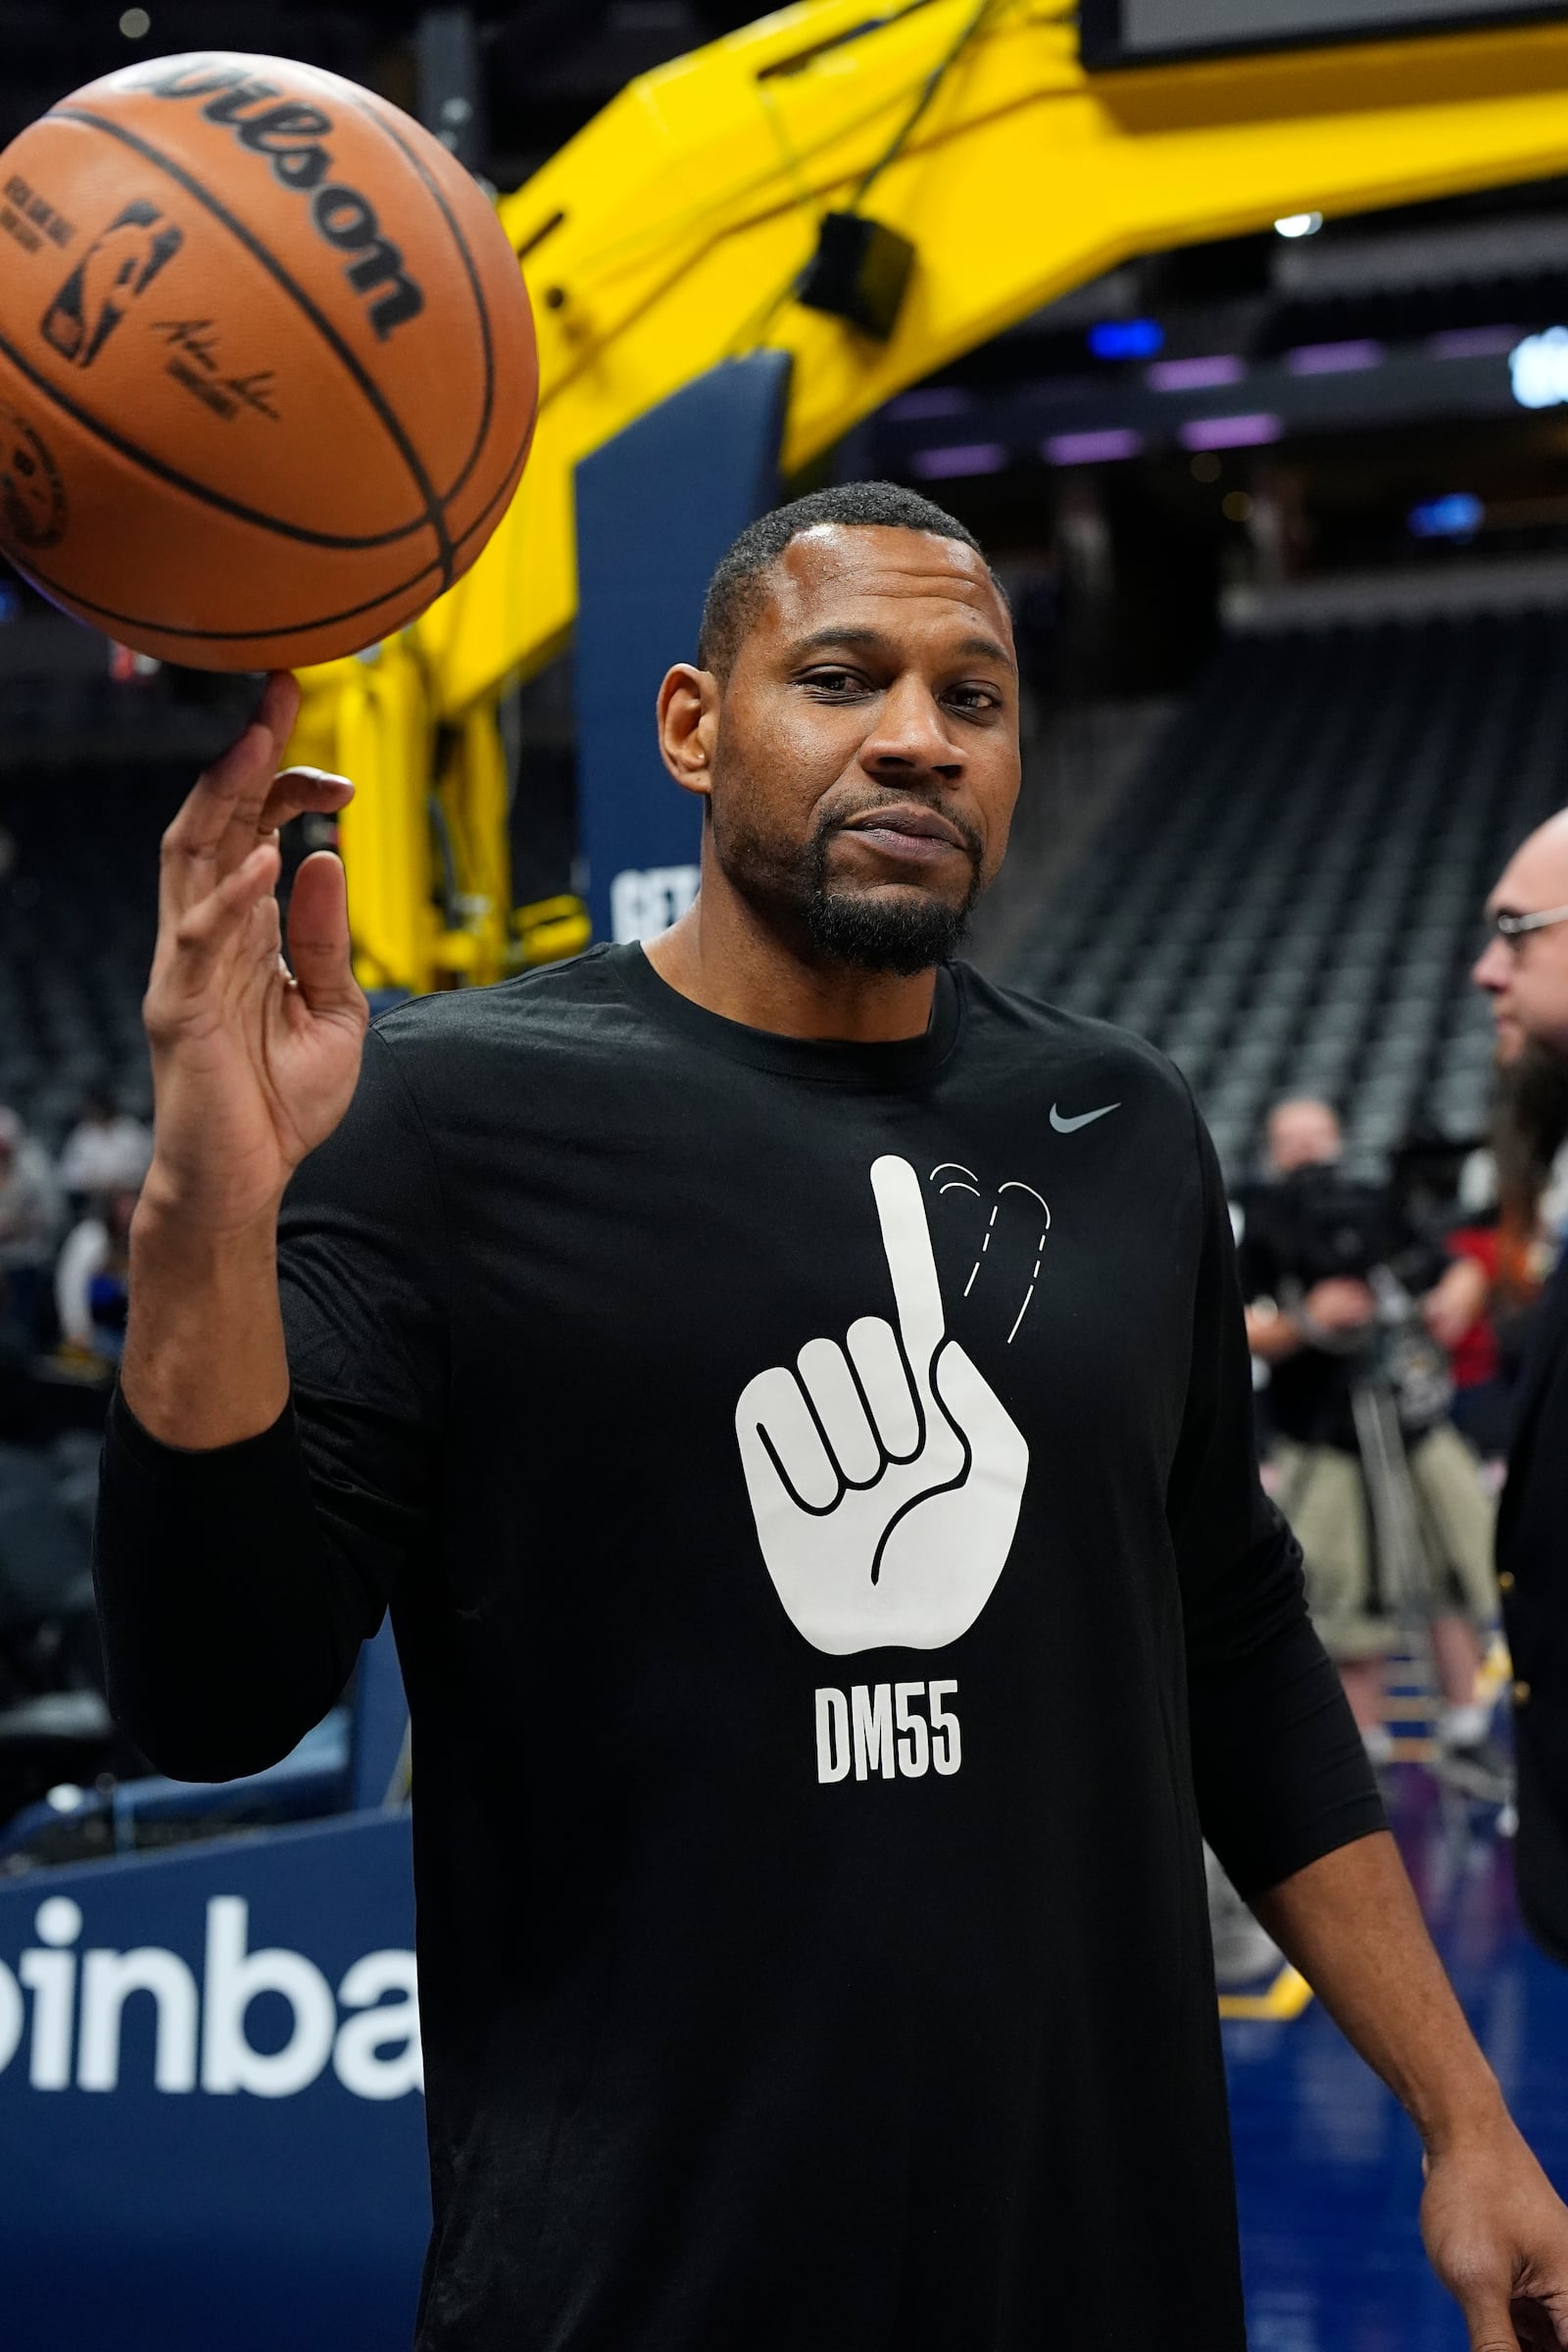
column 834, row 681
column 974, row 698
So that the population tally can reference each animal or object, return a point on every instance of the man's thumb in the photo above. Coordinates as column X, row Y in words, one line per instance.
column 318, row 949
column 1490, row 2327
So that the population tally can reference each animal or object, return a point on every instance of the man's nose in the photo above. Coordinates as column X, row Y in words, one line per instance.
column 912, row 738
column 1491, row 967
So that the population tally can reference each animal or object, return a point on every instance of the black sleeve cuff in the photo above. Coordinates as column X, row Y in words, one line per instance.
column 217, row 1465
column 230, row 1626
column 1282, row 1774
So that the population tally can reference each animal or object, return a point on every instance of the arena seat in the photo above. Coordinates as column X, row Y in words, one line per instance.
column 79, row 898
column 1288, row 893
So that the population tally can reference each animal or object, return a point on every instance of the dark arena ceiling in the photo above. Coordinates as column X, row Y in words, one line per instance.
column 543, row 70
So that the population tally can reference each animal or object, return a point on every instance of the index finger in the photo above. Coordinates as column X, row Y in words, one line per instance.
column 906, row 1241
column 236, row 783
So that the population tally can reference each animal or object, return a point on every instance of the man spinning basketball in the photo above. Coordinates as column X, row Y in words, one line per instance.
column 793, row 1397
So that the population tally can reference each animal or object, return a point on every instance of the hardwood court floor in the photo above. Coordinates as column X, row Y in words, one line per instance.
column 1327, row 2168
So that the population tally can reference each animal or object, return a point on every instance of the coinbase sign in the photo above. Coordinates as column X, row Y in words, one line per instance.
column 211, row 2120
column 200, row 2034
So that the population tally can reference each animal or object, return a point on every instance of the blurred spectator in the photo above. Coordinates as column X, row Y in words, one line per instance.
column 107, row 1150
column 1523, row 970
column 91, row 1279
column 1481, row 1393
column 1351, row 1310
column 1475, row 1240
column 1514, row 1199
column 31, row 1213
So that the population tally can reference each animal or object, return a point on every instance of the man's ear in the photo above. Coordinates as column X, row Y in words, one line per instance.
column 688, row 725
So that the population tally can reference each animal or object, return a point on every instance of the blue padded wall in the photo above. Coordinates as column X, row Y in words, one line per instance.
column 657, row 508
column 235, row 2155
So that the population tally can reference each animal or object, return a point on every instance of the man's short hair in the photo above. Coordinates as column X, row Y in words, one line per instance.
column 738, row 590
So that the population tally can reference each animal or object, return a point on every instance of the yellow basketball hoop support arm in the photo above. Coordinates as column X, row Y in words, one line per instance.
column 668, row 234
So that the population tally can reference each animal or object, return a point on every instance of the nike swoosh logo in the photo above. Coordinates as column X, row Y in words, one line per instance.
column 1085, row 1119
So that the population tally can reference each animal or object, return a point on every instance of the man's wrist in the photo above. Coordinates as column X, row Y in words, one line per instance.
column 168, row 1230
column 1455, row 2114
column 204, row 1362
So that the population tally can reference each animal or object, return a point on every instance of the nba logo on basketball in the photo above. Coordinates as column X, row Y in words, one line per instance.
column 116, row 268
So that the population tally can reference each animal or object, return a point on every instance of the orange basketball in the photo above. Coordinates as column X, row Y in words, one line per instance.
column 267, row 375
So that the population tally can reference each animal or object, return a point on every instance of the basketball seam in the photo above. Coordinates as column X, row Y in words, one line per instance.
column 166, row 473
column 434, row 510
column 392, row 132
column 322, row 620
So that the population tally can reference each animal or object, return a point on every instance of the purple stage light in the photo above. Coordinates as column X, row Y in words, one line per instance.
column 1230, row 432
column 932, row 400
column 1335, row 359
column 1196, row 375
column 1473, row 342
column 958, row 457
column 1092, row 449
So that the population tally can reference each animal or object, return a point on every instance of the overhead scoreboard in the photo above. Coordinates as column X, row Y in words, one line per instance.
column 1136, row 33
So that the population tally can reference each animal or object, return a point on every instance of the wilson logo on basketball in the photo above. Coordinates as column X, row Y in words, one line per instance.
column 114, row 270
column 289, row 134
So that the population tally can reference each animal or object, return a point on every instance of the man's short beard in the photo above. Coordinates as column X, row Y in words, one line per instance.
column 905, row 933
column 1529, row 1123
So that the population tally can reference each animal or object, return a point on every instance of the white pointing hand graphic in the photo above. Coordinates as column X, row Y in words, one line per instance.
column 885, row 1476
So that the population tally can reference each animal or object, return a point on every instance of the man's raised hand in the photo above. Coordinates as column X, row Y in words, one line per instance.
column 254, row 1060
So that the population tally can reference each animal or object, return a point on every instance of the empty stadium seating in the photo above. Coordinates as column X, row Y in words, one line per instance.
column 78, row 908
column 1289, row 893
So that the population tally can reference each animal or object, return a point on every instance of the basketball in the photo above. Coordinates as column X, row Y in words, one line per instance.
column 267, row 375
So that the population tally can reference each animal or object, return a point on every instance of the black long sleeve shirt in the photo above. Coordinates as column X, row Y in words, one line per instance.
column 814, row 1487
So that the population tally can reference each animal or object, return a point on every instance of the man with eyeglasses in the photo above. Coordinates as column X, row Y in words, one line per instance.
column 1523, row 970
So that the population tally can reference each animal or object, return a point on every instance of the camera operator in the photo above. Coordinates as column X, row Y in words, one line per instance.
column 1351, row 1310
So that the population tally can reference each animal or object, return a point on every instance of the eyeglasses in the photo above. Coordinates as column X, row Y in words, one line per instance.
column 1511, row 928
